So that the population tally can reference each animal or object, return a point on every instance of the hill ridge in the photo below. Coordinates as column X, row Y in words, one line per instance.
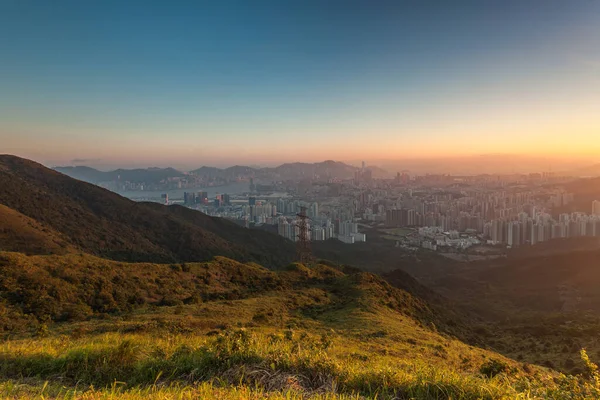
column 103, row 223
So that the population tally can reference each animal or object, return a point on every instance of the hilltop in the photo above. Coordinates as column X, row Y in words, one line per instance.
column 97, row 221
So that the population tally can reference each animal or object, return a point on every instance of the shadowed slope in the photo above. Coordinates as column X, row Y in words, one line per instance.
column 103, row 223
column 23, row 234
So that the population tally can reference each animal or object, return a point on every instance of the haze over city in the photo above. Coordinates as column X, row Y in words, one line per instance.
column 122, row 84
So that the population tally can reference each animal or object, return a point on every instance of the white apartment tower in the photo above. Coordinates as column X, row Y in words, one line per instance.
column 596, row 207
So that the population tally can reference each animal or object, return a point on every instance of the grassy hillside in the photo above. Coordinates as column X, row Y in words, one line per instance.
column 223, row 329
column 78, row 286
column 21, row 233
column 103, row 223
column 549, row 305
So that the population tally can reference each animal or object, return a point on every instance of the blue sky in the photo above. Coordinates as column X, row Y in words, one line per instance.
column 267, row 81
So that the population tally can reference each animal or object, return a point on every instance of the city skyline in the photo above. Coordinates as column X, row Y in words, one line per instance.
column 263, row 84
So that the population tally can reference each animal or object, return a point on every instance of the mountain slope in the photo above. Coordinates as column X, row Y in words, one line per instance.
column 295, row 333
column 21, row 233
column 103, row 223
column 536, row 308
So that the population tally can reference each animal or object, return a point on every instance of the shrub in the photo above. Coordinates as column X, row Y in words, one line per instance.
column 491, row 368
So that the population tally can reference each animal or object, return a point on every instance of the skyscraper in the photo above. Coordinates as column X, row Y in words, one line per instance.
column 226, row 199
column 514, row 234
column 596, row 207
column 202, row 198
column 189, row 198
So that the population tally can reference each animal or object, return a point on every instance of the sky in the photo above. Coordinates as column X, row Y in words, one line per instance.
column 188, row 83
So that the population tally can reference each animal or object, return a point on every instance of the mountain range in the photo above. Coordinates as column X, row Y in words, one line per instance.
column 325, row 169
column 138, row 175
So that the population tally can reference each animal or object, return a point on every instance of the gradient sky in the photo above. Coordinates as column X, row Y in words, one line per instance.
column 222, row 82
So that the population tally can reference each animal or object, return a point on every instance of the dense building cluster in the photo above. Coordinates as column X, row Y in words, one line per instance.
column 435, row 210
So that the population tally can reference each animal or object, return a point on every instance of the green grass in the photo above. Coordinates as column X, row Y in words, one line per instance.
column 240, row 363
column 296, row 333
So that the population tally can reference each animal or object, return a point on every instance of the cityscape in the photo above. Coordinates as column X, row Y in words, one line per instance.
column 436, row 212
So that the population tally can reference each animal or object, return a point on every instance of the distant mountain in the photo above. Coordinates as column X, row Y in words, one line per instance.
column 377, row 172
column 325, row 169
column 207, row 171
column 103, row 223
column 228, row 173
column 147, row 175
column 329, row 168
column 86, row 174
column 298, row 170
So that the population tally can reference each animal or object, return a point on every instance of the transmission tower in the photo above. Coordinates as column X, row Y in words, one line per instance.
column 303, row 244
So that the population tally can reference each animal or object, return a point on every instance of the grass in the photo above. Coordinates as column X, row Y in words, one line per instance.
column 268, row 362
column 241, row 363
column 300, row 333
column 203, row 390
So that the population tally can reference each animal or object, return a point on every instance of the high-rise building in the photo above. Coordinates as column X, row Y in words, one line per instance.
column 514, row 234
column 226, row 199
column 189, row 198
column 281, row 206
column 533, row 239
column 397, row 217
column 499, row 231
column 202, row 198
column 596, row 207
column 313, row 211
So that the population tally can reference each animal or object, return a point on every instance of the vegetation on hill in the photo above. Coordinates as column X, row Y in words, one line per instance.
column 103, row 223
column 224, row 329
column 21, row 233
column 536, row 308
column 539, row 304
column 44, row 289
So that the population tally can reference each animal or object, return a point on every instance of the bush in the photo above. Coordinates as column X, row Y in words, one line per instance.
column 492, row 368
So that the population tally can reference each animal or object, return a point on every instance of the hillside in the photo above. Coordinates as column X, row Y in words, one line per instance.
column 49, row 288
column 560, row 282
column 21, row 233
column 223, row 329
column 103, row 223
column 550, row 304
